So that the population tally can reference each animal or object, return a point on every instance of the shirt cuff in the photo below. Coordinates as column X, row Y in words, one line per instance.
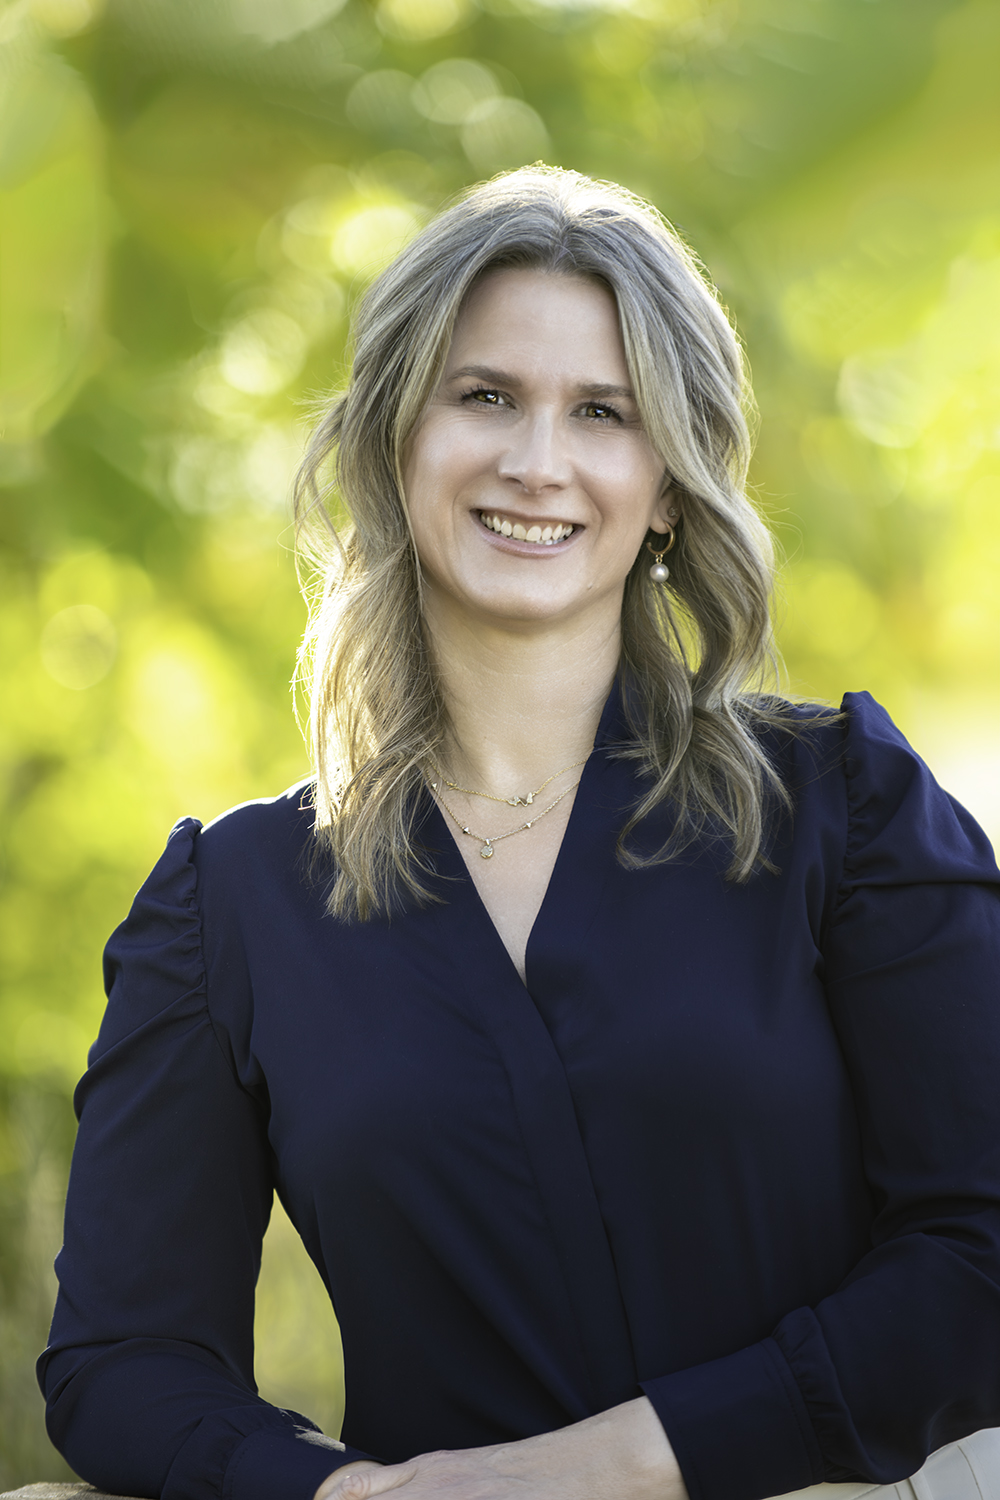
column 292, row 1464
column 738, row 1426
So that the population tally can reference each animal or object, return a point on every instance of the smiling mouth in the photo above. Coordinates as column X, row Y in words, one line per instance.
column 545, row 535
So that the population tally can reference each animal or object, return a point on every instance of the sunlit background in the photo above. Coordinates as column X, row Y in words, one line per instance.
column 193, row 192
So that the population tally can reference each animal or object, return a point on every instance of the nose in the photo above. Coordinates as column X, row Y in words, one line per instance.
column 536, row 457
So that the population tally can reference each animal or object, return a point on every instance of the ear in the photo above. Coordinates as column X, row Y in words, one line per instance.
column 666, row 512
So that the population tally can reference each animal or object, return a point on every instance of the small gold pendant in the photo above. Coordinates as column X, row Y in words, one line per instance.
column 486, row 852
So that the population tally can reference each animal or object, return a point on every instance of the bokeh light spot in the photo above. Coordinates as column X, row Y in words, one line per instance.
column 63, row 18
column 368, row 240
column 263, row 352
column 270, row 464
column 449, row 91
column 420, row 20
column 273, row 22
column 78, row 646
column 504, row 133
column 381, row 103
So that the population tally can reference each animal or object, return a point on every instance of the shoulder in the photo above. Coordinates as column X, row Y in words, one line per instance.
column 804, row 741
column 256, row 859
column 899, row 824
column 904, row 827
column 857, row 743
column 210, row 886
column 248, row 847
column 266, row 829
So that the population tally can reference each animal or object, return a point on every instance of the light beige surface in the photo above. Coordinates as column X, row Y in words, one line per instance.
column 56, row 1492
column 966, row 1470
column 836, row 1492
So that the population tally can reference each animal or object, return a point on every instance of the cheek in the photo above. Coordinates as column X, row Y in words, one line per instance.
column 439, row 463
column 636, row 486
column 421, row 484
column 625, row 463
column 414, row 466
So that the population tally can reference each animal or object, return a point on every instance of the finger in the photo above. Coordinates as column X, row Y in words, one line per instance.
column 360, row 1486
column 352, row 1487
column 330, row 1488
column 348, row 1487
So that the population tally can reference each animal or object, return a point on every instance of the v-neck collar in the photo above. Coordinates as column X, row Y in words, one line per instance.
column 452, row 867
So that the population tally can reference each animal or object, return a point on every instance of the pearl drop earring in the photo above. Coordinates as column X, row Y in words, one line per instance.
column 659, row 572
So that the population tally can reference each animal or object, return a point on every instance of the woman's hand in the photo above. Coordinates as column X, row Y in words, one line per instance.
column 623, row 1451
column 333, row 1484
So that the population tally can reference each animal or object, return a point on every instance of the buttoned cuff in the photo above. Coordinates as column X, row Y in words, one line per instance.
column 738, row 1426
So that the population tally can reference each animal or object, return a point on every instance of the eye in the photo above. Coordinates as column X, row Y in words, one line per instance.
column 484, row 396
column 598, row 411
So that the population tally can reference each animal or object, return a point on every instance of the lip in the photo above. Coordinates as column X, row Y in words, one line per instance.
column 526, row 549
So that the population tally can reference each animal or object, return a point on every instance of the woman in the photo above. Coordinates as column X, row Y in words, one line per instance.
column 622, row 1041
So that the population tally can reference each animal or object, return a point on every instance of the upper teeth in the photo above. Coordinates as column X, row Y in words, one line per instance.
column 546, row 535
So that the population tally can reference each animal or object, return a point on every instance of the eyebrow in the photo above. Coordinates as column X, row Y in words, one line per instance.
column 503, row 377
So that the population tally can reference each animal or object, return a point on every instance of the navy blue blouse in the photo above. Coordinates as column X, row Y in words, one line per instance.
column 734, row 1146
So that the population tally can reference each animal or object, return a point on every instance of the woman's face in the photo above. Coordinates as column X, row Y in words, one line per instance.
column 530, row 481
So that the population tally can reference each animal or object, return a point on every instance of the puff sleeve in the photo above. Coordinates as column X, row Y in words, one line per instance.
column 149, row 1371
column 904, row 1356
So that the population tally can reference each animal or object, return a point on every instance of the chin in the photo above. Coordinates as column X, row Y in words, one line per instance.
column 522, row 614
column 533, row 611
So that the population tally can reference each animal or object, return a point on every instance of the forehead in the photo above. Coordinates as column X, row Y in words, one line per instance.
column 534, row 314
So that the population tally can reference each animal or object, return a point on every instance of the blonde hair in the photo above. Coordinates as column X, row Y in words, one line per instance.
column 688, row 658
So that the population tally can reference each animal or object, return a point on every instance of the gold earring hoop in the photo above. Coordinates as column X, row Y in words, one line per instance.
column 659, row 572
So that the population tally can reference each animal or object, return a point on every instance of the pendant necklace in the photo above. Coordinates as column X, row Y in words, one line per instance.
column 486, row 852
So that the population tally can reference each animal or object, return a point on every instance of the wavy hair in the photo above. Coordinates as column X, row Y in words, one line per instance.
column 694, row 658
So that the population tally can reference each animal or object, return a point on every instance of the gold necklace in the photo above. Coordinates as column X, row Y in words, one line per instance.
column 516, row 801
column 486, row 852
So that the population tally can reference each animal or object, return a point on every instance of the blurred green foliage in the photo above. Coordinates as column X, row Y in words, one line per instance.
column 192, row 193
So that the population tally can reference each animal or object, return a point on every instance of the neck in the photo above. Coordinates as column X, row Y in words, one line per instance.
column 523, row 704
